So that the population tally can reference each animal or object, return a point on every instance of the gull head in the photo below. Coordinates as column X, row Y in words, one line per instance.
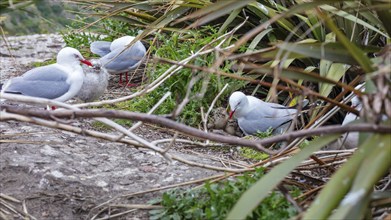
column 237, row 101
column 71, row 56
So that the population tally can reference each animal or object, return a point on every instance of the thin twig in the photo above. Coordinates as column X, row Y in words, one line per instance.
column 139, row 123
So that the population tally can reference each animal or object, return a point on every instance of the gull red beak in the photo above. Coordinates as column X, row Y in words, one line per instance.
column 231, row 114
column 86, row 62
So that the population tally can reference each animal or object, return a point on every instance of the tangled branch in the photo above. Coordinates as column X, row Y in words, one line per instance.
column 167, row 123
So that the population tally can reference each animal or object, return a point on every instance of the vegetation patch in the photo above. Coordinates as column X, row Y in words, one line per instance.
column 215, row 200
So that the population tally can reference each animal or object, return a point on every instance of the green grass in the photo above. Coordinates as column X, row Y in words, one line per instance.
column 44, row 63
column 214, row 200
column 254, row 154
column 100, row 126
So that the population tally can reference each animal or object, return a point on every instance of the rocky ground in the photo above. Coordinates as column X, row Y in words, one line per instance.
column 62, row 175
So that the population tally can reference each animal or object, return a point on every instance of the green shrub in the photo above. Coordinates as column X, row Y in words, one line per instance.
column 214, row 200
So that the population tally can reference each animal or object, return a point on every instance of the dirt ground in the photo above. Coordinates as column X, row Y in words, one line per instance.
column 61, row 175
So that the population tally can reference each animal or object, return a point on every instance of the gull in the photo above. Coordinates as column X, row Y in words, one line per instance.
column 255, row 115
column 60, row 81
column 117, row 57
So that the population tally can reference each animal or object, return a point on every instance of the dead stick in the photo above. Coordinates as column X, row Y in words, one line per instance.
column 153, row 119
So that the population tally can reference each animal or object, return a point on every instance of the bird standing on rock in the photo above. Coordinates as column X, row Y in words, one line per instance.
column 60, row 81
column 117, row 57
column 255, row 115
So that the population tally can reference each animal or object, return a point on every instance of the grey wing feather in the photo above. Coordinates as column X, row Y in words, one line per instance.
column 45, row 82
column 101, row 48
column 45, row 73
column 261, row 120
column 126, row 60
column 42, row 89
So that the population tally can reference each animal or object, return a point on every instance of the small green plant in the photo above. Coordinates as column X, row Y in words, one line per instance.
column 254, row 154
column 108, row 29
column 81, row 41
column 264, row 134
column 214, row 200
column 44, row 63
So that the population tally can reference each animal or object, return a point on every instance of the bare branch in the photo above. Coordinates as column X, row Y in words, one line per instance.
column 153, row 119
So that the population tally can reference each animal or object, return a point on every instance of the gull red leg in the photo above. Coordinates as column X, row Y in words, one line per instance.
column 120, row 79
column 128, row 84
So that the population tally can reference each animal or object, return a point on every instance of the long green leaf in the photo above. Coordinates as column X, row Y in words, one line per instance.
column 335, row 72
column 216, row 14
column 257, row 39
column 329, row 51
column 229, row 20
column 324, row 68
column 352, row 18
column 354, row 51
column 385, row 17
column 316, row 27
column 374, row 166
column 253, row 196
column 341, row 181
column 269, row 12
column 164, row 20
column 215, row 10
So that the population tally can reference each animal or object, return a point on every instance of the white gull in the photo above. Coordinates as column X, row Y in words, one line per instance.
column 255, row 115
column 60, row 81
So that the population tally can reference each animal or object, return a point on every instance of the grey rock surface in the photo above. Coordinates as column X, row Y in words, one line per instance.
column 62, row 175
